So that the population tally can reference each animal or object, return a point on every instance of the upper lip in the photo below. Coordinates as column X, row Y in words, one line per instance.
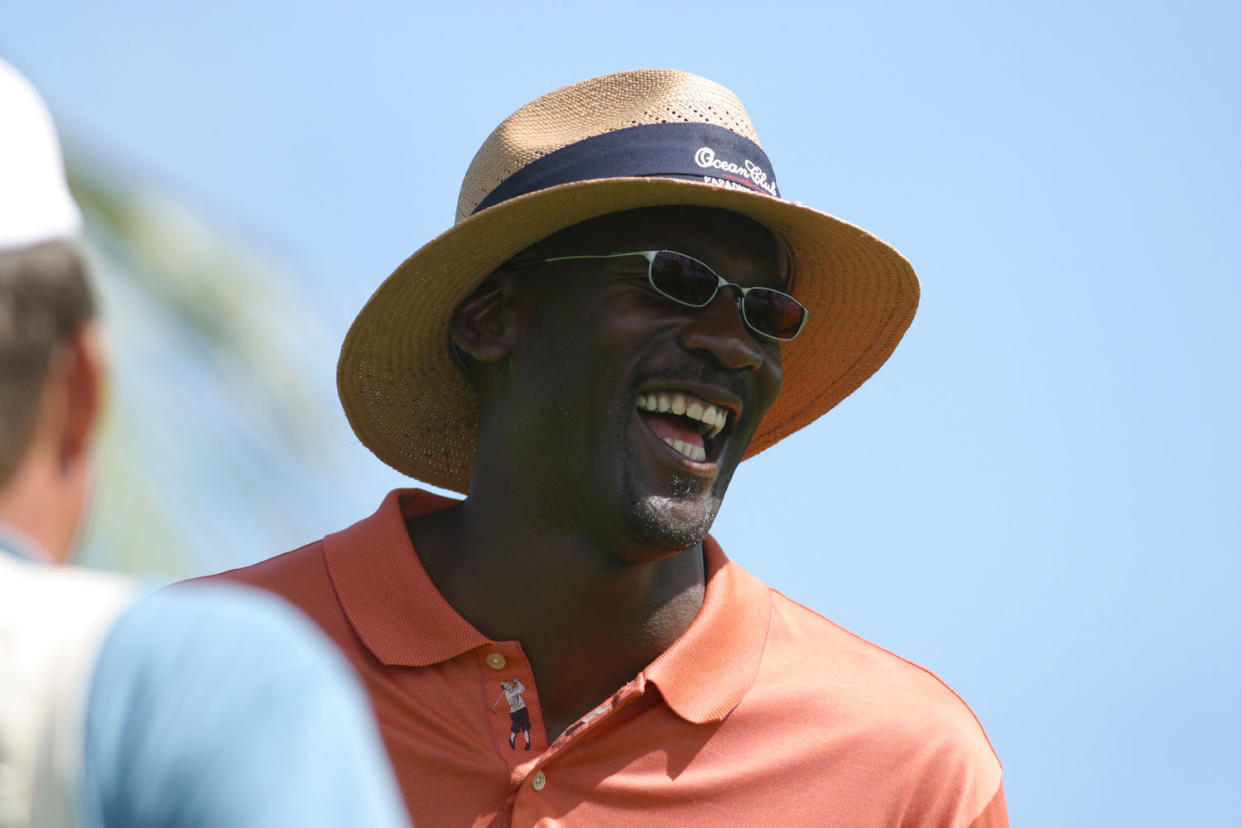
column 715, row 395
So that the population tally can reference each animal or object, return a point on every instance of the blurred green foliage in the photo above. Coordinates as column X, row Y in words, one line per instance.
column 217, row 442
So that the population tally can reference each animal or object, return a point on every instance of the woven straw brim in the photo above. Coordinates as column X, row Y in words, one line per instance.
column 413, row 406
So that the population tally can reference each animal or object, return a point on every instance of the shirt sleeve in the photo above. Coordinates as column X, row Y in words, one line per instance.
column 219, row 706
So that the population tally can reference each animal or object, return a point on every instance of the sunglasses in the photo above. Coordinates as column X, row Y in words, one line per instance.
column 687, row 281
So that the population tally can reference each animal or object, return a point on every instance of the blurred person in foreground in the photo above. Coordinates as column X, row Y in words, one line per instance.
column 624, row 310
column 200, row 706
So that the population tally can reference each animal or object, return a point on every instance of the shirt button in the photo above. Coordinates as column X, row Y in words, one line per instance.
column 496, row 661
column 539, row 781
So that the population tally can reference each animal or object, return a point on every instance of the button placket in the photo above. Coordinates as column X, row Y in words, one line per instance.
column 524, row 796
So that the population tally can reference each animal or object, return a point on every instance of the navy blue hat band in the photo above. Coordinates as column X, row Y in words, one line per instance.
column 695, row 152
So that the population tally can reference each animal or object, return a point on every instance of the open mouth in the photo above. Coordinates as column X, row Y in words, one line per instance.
column 689, row 425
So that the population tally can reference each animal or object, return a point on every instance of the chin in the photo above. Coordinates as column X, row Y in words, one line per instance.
column 674, row 521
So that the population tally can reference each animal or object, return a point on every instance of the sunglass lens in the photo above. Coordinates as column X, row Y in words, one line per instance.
column 683, row 278
column 771, row 312
column 689, row 281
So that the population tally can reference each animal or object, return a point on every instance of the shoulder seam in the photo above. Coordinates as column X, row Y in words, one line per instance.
column 905, row 660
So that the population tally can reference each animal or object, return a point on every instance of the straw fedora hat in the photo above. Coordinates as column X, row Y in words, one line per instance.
column 633, row 139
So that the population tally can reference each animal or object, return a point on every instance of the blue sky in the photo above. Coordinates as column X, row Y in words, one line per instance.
column 1037, row 497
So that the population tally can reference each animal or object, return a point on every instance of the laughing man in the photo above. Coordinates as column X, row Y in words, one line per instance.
column 624, row 310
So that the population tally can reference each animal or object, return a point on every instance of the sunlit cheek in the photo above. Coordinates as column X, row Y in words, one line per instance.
column 772, row 383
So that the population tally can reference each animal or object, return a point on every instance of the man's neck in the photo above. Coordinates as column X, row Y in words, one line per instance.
column 588, row 620
column 43, row 502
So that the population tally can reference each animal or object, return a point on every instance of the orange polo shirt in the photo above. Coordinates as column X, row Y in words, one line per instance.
column 762, row 712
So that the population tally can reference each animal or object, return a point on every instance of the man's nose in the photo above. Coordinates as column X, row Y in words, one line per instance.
column 719, row 330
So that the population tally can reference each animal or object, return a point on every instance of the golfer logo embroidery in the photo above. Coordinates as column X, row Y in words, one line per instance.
column 519, row 716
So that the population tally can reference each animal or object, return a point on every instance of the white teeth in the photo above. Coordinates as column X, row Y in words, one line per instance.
column 712, row 417
column 693, row 452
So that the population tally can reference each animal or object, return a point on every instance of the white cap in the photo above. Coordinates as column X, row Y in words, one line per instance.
column 35, row 204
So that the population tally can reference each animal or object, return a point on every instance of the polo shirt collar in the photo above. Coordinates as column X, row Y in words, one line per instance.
column 403, row 619
column 711, row 667
column 388, row 597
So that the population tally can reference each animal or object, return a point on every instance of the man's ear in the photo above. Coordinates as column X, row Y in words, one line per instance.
column 85, row 378
column 481, row 326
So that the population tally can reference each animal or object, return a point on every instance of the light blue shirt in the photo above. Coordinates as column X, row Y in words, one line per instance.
column 221, row 706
